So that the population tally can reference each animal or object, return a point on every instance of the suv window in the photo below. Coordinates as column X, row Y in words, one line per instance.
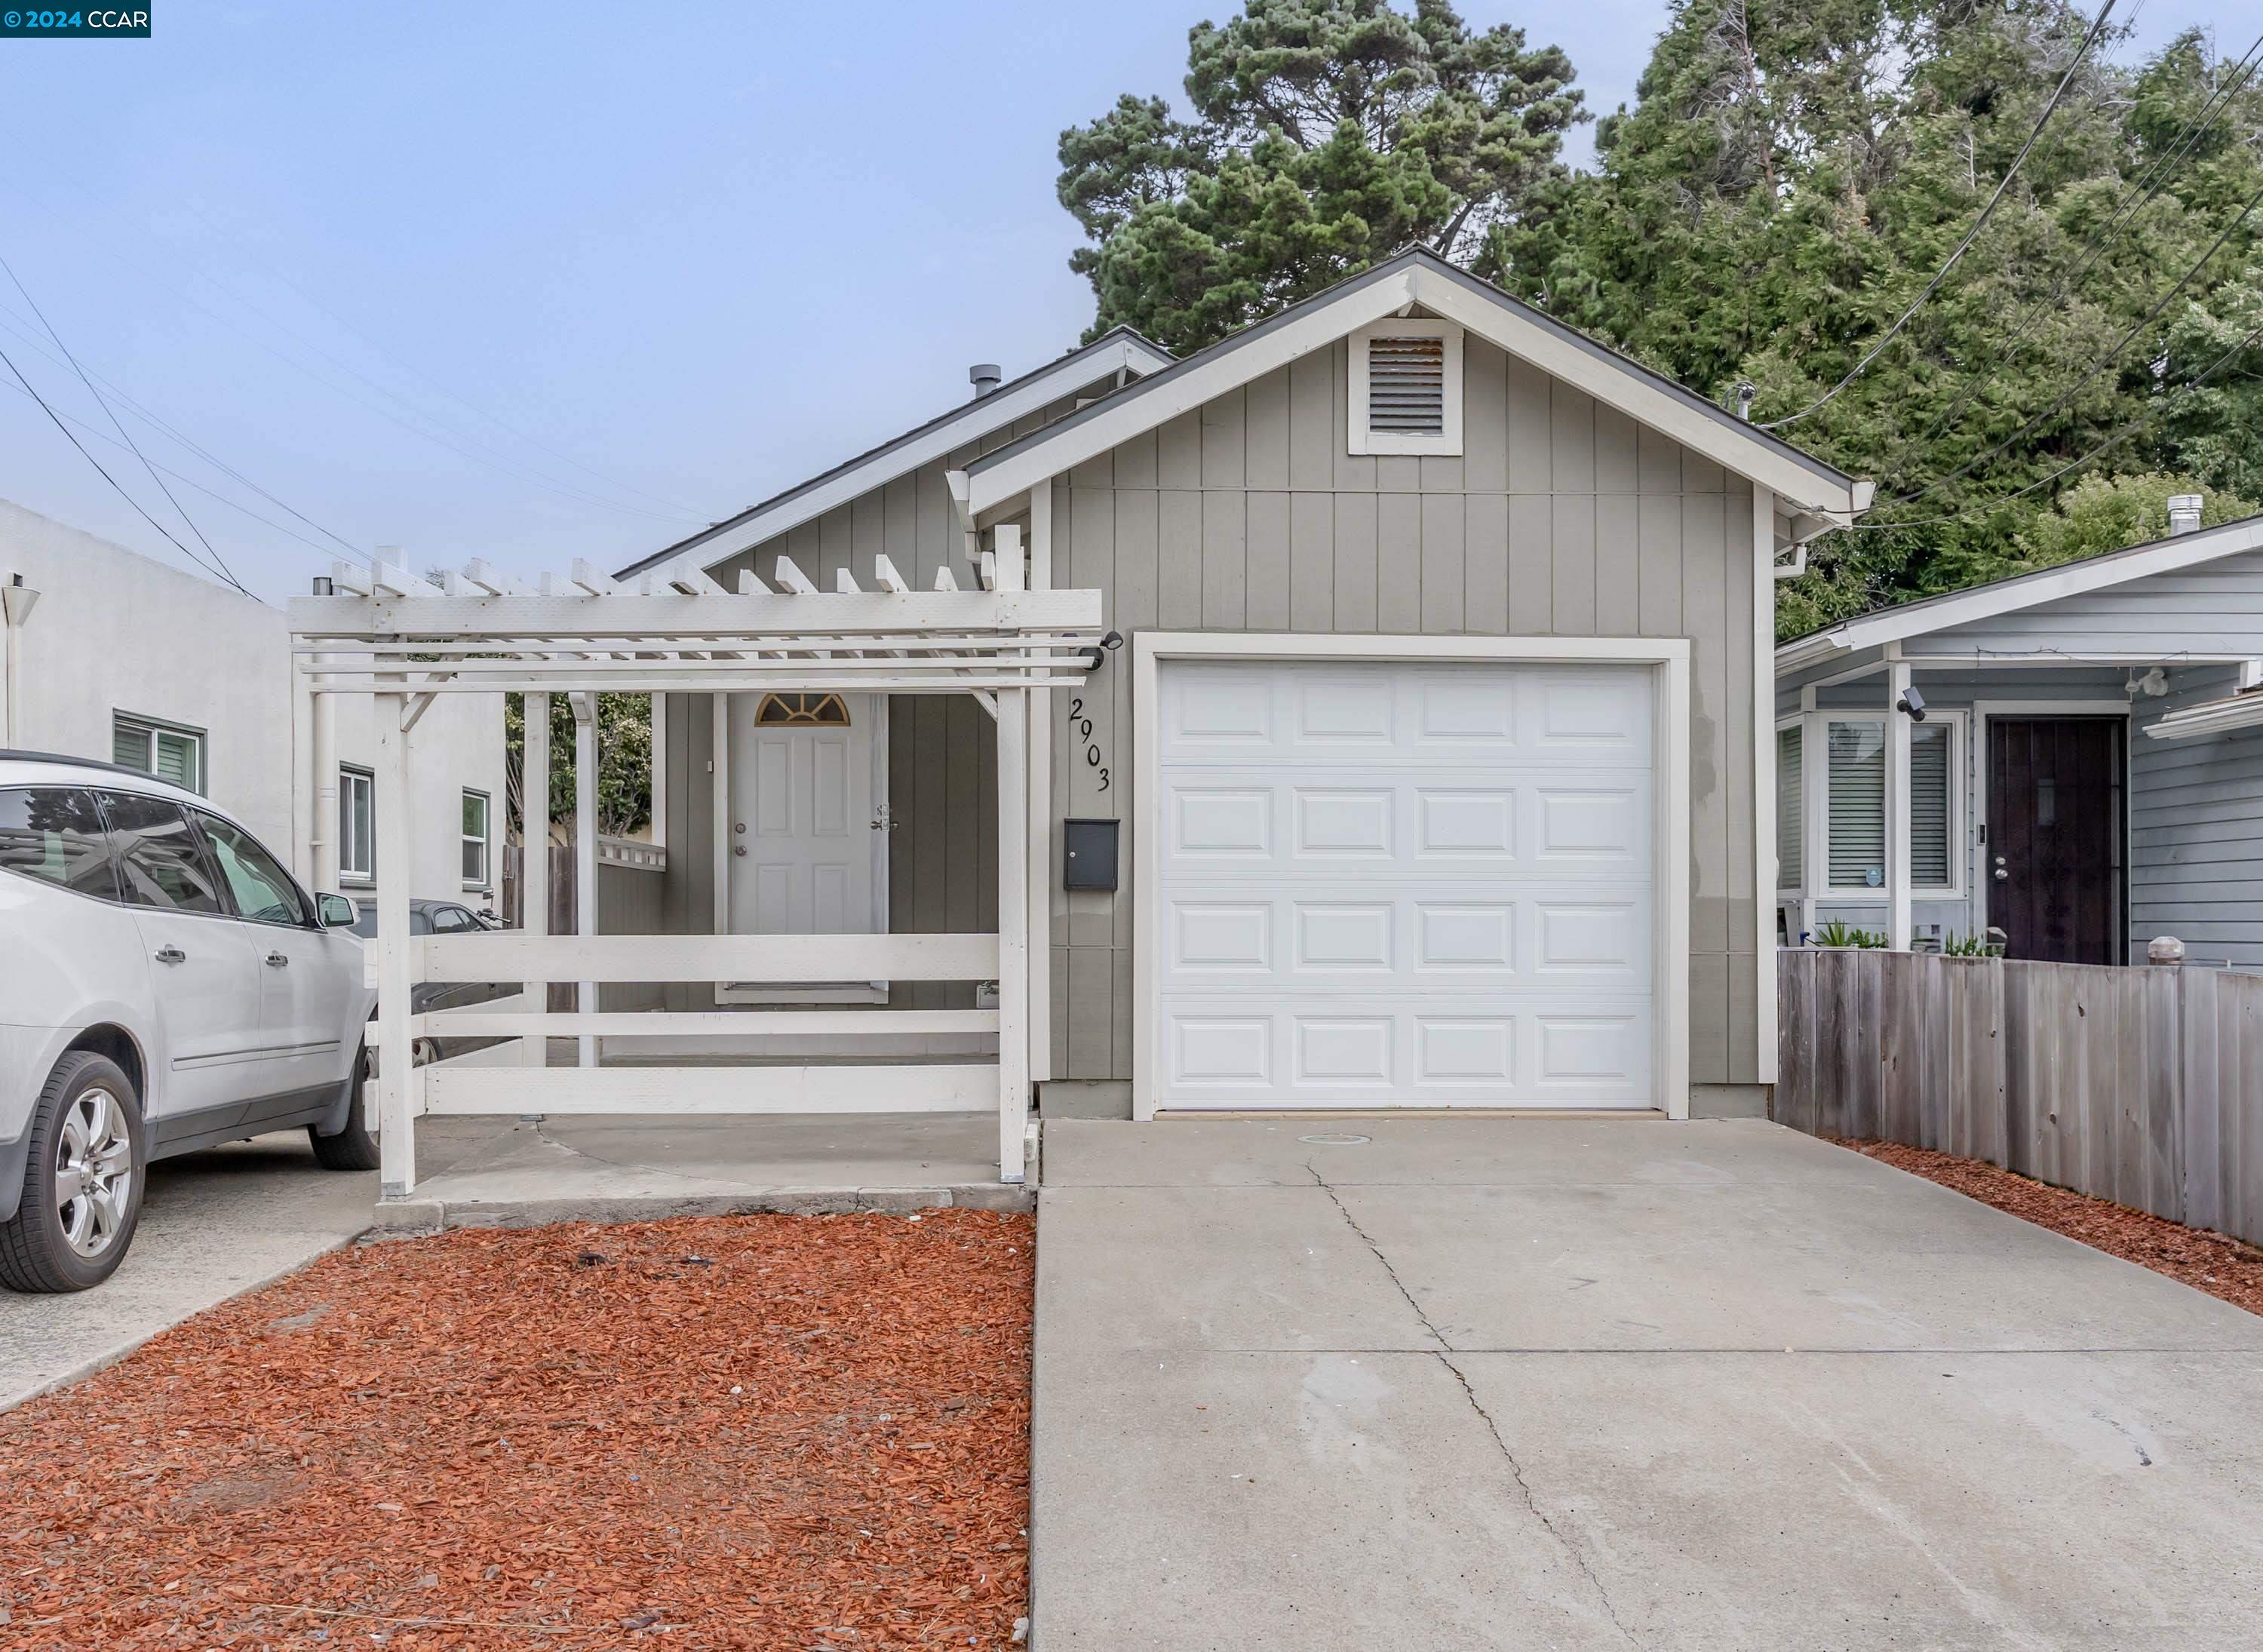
column 159, row 861
column 263, row 890
column 55, row 833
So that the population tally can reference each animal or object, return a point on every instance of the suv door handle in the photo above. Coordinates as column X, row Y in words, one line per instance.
column 276, row 961
column 171, row 955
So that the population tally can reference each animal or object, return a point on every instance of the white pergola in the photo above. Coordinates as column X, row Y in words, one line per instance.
column 403, row 640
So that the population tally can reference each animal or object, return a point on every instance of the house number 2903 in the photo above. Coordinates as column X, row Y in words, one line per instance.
column 1080, row 727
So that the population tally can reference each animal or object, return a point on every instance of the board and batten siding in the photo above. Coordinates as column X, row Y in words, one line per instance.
column 1564, row 517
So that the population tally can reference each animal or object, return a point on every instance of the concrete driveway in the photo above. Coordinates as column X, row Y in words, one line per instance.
column 1563, row 1384
column 212, row 1224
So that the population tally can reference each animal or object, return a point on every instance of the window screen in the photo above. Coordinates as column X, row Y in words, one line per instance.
column 1929, row 791
column 53, row 833
column 1857, row 780
column 1789, row 819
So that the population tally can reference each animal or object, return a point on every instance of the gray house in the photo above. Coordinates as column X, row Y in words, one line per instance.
column 2086, row 772
column 1432, row 768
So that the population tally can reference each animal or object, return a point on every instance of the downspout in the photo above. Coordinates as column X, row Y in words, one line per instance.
column 18, row 599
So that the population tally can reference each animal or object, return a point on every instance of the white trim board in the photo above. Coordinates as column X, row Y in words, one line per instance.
column 1670, row 657
column 2025, row 590
column 1417, row 277
column 1121, row 351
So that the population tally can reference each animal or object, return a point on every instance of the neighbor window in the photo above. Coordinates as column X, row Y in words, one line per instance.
column 1855, row 802
column 1407, row 388
column 1790, row 819
column 357, row 838
column 475, row 840
column 167, row 751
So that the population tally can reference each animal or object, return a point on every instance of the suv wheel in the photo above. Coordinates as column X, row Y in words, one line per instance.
column 82, row 1182
column 354, row 1147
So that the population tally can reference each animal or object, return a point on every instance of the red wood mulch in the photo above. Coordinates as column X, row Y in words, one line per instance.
column 761, row 1431
column 2212, row 1262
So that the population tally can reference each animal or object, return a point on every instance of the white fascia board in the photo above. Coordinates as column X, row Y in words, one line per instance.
column 979, row 418
column 1110, row 426
column 2029, row 591
column 1645, row 402
column 1623, row 386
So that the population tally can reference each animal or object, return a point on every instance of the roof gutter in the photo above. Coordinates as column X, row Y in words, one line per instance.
column 2216, row 717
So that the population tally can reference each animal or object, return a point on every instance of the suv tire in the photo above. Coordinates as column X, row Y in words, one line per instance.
column 354, row 1147
column 82, row 1182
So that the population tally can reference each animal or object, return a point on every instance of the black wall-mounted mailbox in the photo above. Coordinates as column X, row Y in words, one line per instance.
column 1088, row 854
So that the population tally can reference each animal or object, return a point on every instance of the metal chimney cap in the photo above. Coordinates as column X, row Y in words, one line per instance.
column 2184, row 512
column 985, row 377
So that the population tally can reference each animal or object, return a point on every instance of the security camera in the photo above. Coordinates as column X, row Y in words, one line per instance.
column 1914, row 703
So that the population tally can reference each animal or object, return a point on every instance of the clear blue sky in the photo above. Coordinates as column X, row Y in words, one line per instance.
column 606, row 257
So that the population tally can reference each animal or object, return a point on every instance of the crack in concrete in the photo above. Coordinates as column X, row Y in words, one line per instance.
column 1444, row 1355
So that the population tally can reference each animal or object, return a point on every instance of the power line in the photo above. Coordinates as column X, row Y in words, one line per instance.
column 143, row 412
column 2096, row 367
column 2140, row 195
column 106, row 476
column 2003, row 183
column 225, row 571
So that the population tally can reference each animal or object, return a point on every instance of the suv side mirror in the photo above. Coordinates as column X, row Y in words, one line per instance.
column 337, row 912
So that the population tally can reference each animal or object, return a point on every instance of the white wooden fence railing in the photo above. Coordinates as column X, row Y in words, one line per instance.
column 846, row 1084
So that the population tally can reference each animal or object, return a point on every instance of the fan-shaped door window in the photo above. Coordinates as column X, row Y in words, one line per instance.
column 808, row 711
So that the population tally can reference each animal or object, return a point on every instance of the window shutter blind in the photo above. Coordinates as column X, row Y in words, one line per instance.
column 1857, row 774
column 1929, row 806
column 1407, row 386
column 1789, row 819
column 177, row 760
column 129, row 745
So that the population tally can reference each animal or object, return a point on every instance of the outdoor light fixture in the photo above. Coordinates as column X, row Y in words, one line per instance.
column 1094, row 657
column 1914, row 703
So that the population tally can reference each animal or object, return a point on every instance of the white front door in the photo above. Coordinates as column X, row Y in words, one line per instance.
column 806, row 826
column 1409, row 884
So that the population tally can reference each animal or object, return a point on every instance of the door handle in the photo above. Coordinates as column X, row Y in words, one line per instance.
column 171, row 955
column 276, row 961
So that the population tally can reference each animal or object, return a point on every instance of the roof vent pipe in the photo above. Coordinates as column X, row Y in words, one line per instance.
column 2184, row 512
column 984, row 376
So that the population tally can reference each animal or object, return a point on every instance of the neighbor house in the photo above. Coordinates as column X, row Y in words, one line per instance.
column 1435, row 767
column 2069, row 762
column 110, row 655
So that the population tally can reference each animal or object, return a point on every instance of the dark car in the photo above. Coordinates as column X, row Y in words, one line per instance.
column 442, row 918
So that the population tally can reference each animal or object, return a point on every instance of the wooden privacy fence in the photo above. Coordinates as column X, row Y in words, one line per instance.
column 2142, row 1086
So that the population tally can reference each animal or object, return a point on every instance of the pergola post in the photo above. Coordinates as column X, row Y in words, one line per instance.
column 398, row 1081
column 534, row 856
column 1897, row 808
column 585, row 850
column 1039, row 851
column 1013, row 897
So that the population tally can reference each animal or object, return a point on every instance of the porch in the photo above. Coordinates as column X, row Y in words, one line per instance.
column 802, row 1024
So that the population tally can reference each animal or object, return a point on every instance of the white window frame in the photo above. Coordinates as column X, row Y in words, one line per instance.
column 485, row 882
column 149, row 729
column 1794, row 891
column 1669, row 660
column 1448, row 442
column 365, row 874
column 1818, row 807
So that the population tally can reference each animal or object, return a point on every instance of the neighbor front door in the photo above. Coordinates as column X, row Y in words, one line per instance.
column 2053, row 855
column 805, row 830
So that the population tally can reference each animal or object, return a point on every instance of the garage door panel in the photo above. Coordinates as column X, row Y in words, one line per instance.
column 1390, row 884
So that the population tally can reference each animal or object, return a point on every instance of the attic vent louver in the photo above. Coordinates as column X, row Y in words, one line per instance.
column 1406, row 385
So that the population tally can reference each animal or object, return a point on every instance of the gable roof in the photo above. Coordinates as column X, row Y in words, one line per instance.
column 1418, row 277
column 2021, row 590
column 1120, row 347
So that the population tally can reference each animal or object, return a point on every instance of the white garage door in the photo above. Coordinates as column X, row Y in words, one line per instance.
column 1411, row 885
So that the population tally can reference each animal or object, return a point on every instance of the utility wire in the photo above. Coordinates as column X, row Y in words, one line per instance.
column 227, row 573
column 187, row 481
column 2140, row 195
column 29, row 389
column 2114, row 441
column 143, row 412
column 1932, row 287
column 2096, row 367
